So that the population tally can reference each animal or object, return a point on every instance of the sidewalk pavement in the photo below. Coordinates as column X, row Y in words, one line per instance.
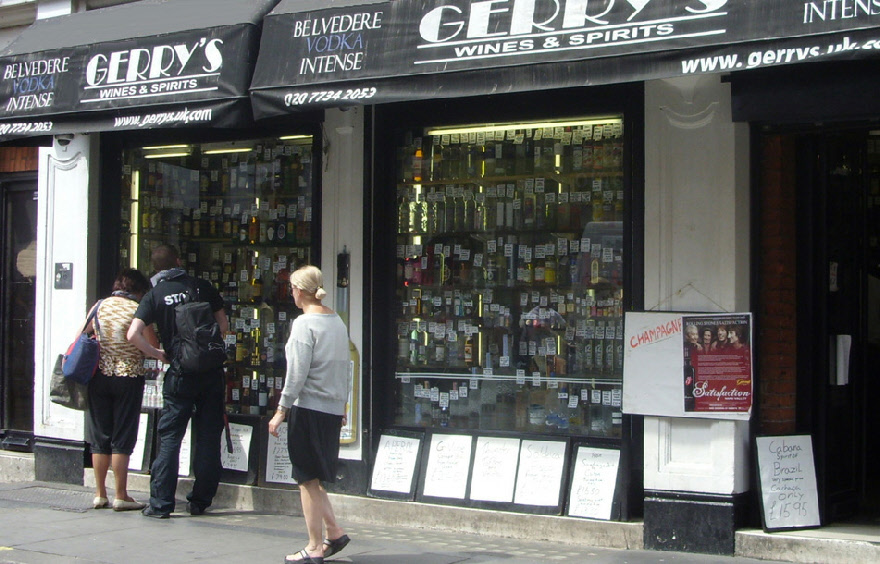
column 42, row 522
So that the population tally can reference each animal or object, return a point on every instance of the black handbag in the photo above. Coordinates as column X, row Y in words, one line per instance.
column 66, row 391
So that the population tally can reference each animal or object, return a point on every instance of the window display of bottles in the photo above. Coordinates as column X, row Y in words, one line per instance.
column 510, row 263
column 240, row 214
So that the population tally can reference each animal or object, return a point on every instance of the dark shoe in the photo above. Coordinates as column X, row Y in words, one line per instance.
column 304, row 558
column 150, row 512
column 332, row 546
column 194, row 509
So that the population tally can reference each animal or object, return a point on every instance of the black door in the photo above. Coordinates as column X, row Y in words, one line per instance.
column 838, row 189
column 17, row 297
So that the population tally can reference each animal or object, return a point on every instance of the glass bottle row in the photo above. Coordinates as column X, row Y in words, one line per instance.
column 520, row 206
column 562, row 261
column 549, row 407
column 506, row 152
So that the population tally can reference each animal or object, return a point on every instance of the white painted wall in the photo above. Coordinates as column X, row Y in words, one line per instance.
column 67, row 229
column 696, row 260
column 342, row 224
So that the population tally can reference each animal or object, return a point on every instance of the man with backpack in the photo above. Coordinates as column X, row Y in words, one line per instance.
column 188, row 393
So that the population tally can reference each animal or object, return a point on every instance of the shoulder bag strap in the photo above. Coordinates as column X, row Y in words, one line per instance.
column 94, row 315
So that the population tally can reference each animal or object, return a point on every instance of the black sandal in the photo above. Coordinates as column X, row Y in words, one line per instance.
column 305, row 558
column 332, row 546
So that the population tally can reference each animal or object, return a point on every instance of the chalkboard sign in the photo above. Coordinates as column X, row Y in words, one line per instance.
column 593, row 482
column 787, row 478
column 448, row 468
column 395, row 464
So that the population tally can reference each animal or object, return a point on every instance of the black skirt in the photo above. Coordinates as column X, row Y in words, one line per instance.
column 313, row 444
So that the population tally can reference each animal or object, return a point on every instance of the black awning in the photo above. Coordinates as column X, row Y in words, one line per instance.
column 154, row 63
column 336, row 53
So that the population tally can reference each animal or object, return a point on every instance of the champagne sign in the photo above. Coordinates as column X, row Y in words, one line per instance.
column 688, row 365
column 789, row 496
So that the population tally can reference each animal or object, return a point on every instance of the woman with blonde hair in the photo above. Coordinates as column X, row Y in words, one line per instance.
column 313, row 403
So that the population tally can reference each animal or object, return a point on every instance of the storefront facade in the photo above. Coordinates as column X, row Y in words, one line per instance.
column 508, row 180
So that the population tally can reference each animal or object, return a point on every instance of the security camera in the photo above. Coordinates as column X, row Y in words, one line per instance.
column 64, row 139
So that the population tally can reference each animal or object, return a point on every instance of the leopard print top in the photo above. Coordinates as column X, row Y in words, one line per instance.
column 118, row 356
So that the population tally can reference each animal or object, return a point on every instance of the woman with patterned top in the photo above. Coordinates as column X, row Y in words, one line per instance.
column 117, row 389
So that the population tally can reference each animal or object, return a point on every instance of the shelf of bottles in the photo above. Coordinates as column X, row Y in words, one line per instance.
column 509, row 277
column 241, row 216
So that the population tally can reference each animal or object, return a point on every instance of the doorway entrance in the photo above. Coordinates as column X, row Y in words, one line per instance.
column 837, row 182
column 18, row 241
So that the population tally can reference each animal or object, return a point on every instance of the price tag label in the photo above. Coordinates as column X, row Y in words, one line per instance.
column 536, row 378
column 520, row 377
column 572, row 401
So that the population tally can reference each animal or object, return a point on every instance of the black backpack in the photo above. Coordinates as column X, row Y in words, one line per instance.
column 200, row 346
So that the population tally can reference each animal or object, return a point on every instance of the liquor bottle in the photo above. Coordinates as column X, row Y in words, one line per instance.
column 403, row 212
column 263, row 394
column 290, row 228
column 469, row 210
column 540, row 210
column 256, row 282
column 599, row 348
column 551, row 210
column 263, row 231
column 598, row 201
column 280, row 230
column 245, row 392
column 440, row 213
column 528, row 211
column 254, row 408
column 437, row 162
column 253, row 229
column 197, row 230
column 489, row 160
column 235, row 395
column 417, row 161
column 550, row 270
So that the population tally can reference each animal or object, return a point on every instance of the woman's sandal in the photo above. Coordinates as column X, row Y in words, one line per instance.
column 332, row 546
column 304, row 558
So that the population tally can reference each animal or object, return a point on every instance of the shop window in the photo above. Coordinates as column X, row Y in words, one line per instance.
column 240, row 213
column 510, row 277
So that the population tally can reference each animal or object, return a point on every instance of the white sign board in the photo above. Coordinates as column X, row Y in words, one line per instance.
column 136, row 460
column 494, row 475
column 185, row 452
column 593, row 482
column 787, row 472
column 539, row 478
column 395, row 464
column 449, row 461
column 241, row 445
column 655, row 379
column 278, row 466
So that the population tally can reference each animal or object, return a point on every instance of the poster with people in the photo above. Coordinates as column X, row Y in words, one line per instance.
column 688, row 365
column 717, row 364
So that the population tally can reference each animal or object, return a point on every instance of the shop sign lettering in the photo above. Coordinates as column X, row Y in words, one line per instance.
column 33, row 82
column 159, row 62
column 510, row 18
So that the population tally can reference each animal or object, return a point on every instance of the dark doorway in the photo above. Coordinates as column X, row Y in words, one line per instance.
column 17, row 299
column 838, row 295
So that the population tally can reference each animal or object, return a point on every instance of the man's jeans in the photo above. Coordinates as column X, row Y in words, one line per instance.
column 202, row 399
